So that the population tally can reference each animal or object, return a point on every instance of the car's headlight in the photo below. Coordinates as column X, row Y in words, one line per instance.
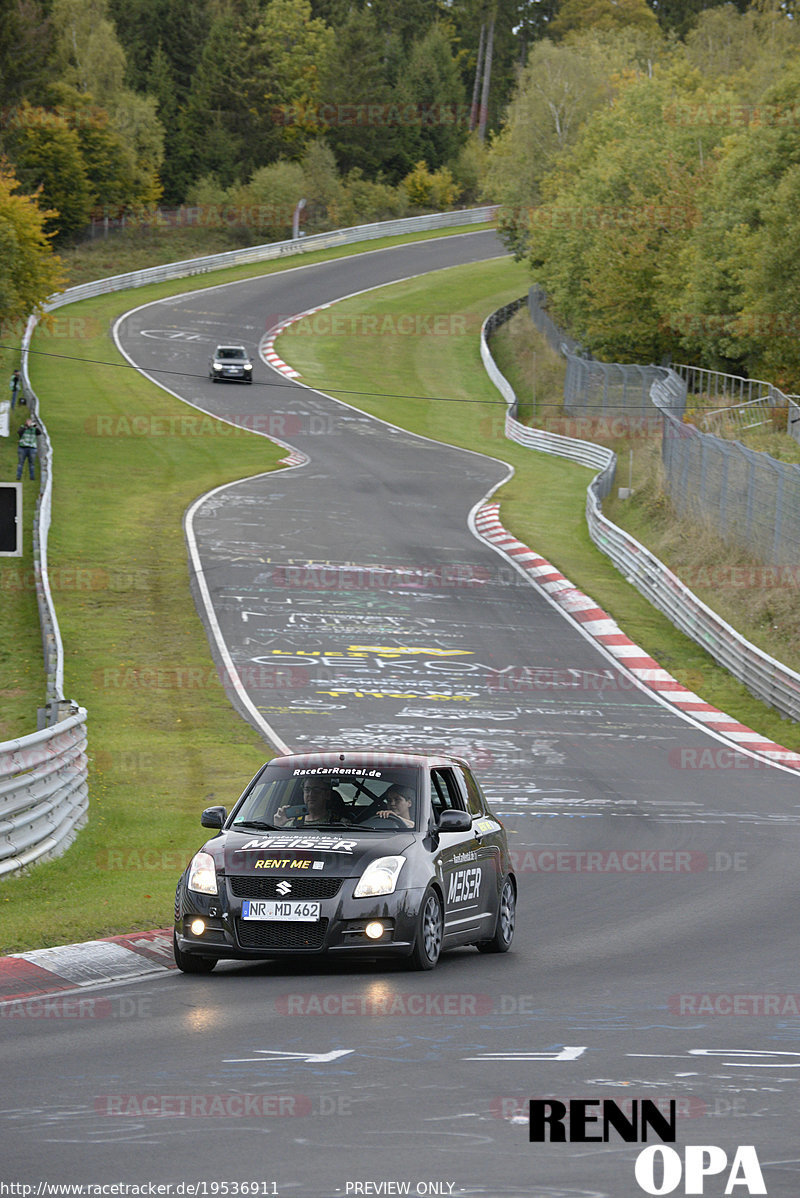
column 202, row 874
column 248, row 365
column 216, row 366
column 380, row 877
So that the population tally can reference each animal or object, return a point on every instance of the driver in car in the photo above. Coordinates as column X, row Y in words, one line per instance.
column 399, row 803
column 323, row 806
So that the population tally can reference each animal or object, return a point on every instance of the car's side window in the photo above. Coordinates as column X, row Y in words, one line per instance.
column 444, row 791
column 470, row 788
column 439, row 796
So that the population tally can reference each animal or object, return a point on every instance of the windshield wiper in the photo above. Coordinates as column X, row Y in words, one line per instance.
column 259, row 824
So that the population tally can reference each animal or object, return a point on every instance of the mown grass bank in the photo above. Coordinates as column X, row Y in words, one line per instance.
column 544, row 503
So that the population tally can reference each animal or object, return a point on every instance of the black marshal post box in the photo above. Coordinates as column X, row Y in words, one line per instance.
column 10, row 519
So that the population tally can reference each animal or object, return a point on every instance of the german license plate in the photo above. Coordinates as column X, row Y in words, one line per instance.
column 295, row 910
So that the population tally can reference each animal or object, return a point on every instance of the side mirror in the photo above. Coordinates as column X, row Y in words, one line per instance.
column 213, row 817
column 453, row 820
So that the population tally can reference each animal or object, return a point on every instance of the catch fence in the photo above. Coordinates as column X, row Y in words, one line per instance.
column 768, row 679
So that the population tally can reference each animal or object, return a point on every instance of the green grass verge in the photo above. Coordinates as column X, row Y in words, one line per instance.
column 544, row 503
column 164, row 739
column 22, row 680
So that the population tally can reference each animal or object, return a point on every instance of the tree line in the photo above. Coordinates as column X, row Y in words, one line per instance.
column 645, row 154
column 658, row 202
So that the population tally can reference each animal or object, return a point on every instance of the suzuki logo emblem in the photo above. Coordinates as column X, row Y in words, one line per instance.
column 284, row 887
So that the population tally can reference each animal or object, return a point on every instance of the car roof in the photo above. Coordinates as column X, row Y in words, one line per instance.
column 367, row 757
column 230, row 345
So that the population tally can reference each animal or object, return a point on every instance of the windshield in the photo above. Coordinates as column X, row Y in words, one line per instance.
column 371, row 797
column 233, row 352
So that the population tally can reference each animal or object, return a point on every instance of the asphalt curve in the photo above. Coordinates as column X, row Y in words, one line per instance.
column 655, row 955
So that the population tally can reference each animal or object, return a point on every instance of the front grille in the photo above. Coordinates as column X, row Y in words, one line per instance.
column 250, row 887
column 279, row 934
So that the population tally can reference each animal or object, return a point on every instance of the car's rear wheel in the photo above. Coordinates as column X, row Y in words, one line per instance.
column 506, row 921
column 430, row 930
column 191, row 962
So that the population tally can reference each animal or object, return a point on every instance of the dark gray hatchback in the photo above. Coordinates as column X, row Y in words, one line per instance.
column 376, row 854
column 231, row 363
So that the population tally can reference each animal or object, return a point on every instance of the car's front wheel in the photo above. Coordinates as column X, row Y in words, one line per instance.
column 506, row 921
column 191, row 962
column 430, row 930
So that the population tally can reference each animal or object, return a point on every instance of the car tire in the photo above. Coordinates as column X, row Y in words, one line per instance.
column 506, row 921
column 191, row 962
column 430, row 931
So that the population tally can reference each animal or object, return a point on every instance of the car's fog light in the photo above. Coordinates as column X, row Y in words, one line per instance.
column 374, row 930
column 197, row 927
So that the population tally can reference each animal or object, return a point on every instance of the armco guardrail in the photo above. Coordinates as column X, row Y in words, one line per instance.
column 43, row 793
column 51, row 639
column 274, row 249
column 43, row 779
column 585, row 453
column 766, row 678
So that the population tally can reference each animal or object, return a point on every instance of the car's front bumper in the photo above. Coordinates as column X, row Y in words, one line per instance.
column 339, row 929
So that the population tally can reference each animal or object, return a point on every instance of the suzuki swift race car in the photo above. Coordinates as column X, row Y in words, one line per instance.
column 375, row 854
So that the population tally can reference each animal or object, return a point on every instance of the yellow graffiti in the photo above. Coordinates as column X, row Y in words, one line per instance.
column 402, row 651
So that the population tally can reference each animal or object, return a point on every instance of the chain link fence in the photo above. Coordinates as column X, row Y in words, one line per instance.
column 616, row 394
column 766, row 678
column 744, row 496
